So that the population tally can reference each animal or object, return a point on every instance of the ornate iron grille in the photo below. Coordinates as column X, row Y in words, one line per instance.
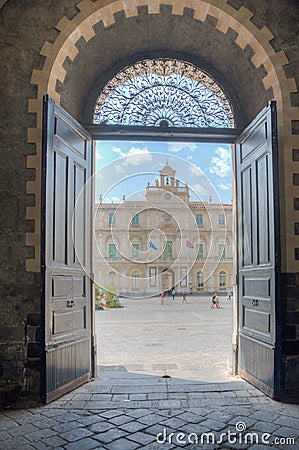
column 168, row 92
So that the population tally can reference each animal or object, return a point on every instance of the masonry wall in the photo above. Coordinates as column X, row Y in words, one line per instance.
column 25, row 27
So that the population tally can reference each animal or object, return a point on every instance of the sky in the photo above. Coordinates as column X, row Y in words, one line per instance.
column 125, row 168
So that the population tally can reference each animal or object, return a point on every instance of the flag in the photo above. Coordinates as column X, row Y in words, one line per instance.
column 189, row 244
column 152, row 245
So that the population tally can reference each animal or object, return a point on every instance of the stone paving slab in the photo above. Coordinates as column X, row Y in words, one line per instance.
column 130, row 409
column 64, row 427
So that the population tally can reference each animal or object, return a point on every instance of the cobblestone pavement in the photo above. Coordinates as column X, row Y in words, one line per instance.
column 130, row 407
column 131, row 411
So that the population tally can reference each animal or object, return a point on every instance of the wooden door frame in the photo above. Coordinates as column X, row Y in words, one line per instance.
column 192, row 135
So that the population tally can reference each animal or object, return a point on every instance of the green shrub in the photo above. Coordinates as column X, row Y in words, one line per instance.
column 114, row 304
column 108, row 297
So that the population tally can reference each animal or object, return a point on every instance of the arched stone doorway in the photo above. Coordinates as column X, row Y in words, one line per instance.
column 57, row 80
column 168, row 281
column 66, row 147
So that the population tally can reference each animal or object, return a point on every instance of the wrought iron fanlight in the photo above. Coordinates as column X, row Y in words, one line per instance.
column 163, row 92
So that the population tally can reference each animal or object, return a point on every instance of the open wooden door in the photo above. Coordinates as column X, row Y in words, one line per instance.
column 258, row 252
column 66, row 253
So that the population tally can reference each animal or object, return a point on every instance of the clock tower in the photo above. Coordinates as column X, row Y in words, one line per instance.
column 167, row 188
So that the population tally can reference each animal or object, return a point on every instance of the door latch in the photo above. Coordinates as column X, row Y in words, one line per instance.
column 255, row 302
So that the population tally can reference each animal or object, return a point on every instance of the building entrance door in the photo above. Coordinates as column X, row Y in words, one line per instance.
column 167, row 281
column 68, row 350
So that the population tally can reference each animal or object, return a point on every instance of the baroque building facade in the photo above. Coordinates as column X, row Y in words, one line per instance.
column 163, row 243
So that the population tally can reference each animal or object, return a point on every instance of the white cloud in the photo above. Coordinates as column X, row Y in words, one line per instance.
column 135, row 156
column 119, row 151
column 118, row 169
column 177, row 147
column 189, row 158
column 225, row 186
column 221, row 163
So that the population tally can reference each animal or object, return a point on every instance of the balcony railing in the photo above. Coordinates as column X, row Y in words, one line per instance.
column 163, row 259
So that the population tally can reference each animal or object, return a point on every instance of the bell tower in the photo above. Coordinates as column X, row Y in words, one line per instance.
column 168, row 182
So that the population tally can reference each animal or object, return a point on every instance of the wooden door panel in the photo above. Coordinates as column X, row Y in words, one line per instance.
column 59, row 208
column 66, row 367
column 66, row 322
column 256, row 174
column 256, row 286
column 80, row 206
column 263, row 219
column 256, row 363
column 253, row 140
column 67, row 259
column 247, row 243
column 72, row 137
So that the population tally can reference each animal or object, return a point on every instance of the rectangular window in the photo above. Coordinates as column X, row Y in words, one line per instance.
column 112, row 252
column 199, row 219
column 199, row 252
column 135, row 251
column 221, row 219
column 152, row 276
column 222, row 280
column 135, row 219
column 221, row 251
column 135, row 280
column 111, row 218
column 168, row 250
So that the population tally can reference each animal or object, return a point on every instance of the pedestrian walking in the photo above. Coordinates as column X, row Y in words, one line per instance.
column 173, row 293
column 229, row 296
column 184, row 299
column 162, row 297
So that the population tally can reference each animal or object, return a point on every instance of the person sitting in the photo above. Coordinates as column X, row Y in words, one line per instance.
column 215, row 301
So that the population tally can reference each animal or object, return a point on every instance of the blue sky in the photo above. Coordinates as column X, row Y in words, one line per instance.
column 125, row 168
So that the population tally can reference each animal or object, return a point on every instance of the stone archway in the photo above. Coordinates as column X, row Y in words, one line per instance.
column 253, row 42
column 81, row 26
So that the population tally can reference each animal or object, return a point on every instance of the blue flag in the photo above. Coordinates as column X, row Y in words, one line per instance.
column 153, row 246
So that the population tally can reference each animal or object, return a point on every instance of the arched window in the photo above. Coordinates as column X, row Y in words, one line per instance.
column 135, row 280
column 163, row 92
column 112, row 278
column 199, row 280
column 222, row 280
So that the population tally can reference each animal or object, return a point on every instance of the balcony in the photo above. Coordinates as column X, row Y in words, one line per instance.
column 163, row 259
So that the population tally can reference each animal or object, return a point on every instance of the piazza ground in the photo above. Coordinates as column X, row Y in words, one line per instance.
column 181, row 340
